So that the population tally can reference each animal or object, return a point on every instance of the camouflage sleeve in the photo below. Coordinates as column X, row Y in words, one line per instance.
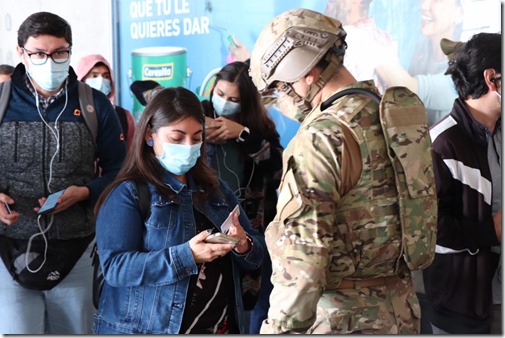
column 300, row 240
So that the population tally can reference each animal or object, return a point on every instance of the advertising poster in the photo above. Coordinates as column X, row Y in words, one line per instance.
column 394, row 42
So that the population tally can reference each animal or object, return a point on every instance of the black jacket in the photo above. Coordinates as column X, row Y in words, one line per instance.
column 458, row 283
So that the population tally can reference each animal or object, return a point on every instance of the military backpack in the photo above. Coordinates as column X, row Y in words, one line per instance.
column 406, row 131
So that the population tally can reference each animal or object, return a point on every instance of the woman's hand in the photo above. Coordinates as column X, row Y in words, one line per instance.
column 236, row 230
column 221, row 129
column 207, row 252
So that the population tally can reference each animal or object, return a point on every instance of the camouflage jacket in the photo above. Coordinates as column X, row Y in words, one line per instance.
column 337, row 217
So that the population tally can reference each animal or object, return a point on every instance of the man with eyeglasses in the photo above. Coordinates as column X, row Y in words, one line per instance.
column 467, row 163
column 46, row 147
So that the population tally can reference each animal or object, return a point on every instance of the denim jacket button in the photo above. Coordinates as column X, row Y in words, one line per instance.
column 188, row 271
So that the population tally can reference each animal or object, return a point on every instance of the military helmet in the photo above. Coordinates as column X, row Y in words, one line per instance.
column 292, row 44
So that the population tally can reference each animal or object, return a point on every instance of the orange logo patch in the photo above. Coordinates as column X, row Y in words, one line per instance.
column 77, row 112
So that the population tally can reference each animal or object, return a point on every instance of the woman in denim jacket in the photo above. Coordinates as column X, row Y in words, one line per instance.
column 161, row 276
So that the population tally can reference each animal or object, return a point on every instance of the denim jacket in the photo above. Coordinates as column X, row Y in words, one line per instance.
column 147, row 265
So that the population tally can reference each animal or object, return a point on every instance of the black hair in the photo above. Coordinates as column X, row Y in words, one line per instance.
column 481, row 52
column 44, row 23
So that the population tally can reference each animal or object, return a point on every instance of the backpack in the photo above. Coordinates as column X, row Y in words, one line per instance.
column 98, row 280
column 85, row 101
column 405, row 127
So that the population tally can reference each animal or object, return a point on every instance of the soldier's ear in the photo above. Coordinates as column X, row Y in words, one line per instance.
column 312, row 76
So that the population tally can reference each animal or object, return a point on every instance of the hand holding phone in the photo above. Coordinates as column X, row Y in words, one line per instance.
column 8, row 208
column 50, row 203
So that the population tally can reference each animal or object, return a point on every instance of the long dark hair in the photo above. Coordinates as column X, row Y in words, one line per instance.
column 168, row 106
column 253, row 113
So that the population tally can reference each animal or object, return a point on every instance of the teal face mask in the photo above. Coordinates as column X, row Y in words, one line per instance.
column 224, row 107
column 179, row 158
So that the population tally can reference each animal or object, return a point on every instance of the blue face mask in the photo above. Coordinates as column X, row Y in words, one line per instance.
column 100, row 83
column 50, row 75
column 224, row 107
column 179, row 158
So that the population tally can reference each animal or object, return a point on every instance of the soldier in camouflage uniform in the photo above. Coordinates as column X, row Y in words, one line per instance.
column 336, row 241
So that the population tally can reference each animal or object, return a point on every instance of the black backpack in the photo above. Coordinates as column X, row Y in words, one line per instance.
column 98, row 280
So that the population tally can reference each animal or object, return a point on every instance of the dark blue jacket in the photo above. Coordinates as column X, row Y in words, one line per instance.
column 30, row 156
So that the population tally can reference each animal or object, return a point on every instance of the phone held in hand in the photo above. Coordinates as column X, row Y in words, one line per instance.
column 229, row 220
column 7, row 208
column 220, row 238
column 50, row 203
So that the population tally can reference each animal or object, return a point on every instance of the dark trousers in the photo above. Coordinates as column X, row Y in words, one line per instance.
column 260, row 310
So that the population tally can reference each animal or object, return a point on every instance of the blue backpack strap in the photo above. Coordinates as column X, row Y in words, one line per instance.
column 88, row 108
column 5, row 93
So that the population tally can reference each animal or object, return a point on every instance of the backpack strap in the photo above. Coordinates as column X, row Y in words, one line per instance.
column 88, row 108
column 144, row 199
column 5, row 93
column 349, row 91
column 121, row 113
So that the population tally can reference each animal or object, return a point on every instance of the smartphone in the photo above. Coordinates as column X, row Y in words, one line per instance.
column 231, row 42
column 220, row 238
column 50, row 203
column 8, row 208
column 229, row 220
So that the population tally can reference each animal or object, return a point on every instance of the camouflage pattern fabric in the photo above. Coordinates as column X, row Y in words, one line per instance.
column 407, row 135
column 322, row 234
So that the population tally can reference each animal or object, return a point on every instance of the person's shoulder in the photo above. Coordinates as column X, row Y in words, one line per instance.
column 443, row 130
column 100, row 100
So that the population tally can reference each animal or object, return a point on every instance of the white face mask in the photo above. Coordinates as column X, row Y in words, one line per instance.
column 100, row 83
column 50, row 75
column 224, row 107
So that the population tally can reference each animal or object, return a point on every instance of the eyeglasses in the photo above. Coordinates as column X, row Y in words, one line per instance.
column 39, row 58
column 498, row 78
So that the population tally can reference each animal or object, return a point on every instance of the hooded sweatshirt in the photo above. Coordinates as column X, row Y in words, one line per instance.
column 83, row 68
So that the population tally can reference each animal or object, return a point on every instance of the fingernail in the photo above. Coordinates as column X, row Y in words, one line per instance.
column 209, row 231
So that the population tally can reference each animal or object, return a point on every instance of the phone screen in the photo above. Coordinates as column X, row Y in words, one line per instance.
column 50, row 203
